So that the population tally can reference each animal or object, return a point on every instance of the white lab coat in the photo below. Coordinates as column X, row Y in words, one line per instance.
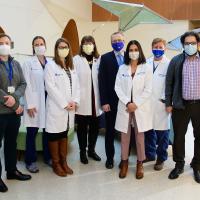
column 59, row 95
column 160, row 116
column 87, row 77
column 141, row 86
column 34, row 96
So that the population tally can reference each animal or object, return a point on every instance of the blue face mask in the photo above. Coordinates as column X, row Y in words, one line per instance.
column 118, row 46
column 158, row 52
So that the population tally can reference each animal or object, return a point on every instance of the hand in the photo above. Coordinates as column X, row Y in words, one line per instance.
column 169, row 109
column 31, row 112
column 106, row 108
column 19, row 110
column 131, row 107
column 71, row 106
column 10, row 101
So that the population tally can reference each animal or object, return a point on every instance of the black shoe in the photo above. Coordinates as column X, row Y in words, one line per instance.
column 175, row 173
column 92, row 154
column 3, row 187
column 109, row 164
column 18, row 176
column 197, row 175
column 83, row 158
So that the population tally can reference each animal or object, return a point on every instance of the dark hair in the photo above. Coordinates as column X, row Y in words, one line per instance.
column 88, row 38
column 5, row 35
column 68, row 59
column 190, row 33
column 35, row 38
column 141, row 59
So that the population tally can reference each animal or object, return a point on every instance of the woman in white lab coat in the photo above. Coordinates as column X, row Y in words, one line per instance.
column 34, row 112
column 133, row 87
column 89, row 110
column 157, row 139
column 63, row 96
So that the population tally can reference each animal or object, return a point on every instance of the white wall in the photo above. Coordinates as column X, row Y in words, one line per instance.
column 24, row 19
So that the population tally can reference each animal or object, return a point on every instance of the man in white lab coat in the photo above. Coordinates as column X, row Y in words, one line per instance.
column 157, row 139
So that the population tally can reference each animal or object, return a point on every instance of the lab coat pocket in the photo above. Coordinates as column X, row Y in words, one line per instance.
column 161, row 75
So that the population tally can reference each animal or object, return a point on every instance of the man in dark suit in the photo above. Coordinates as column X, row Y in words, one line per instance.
column 108, row 69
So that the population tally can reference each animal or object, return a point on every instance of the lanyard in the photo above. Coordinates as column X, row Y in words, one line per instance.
column 45, row 62
column 155, row 67
column 9, row 71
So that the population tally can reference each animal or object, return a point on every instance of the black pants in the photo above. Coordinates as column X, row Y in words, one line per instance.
column 87, row 132
column 110, row 118
column 9, row 128
column 180, row 120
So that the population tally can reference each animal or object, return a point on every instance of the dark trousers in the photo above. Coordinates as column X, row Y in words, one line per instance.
column 110, row 118
column 9, row 128
column 156, row 143
column 87, row 132
column 31, row 154
column 180, row 120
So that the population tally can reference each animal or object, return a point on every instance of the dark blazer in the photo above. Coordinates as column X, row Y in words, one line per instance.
column 107, row 74
column 173, row 89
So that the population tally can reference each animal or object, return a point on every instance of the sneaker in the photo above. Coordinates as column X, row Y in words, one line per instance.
column 48, row 162
column 149, row 160
column 159, row 165
column 32, row 168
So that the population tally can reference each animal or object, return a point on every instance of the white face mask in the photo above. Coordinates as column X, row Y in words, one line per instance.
column 63, row 53
column 190, row 49
column 134, row 55
column 4, row 50
column 40, row 50
column 88, row 48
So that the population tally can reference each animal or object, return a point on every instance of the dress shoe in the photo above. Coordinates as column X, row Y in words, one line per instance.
column 139, row 170
column 92, row 154
column 196, row 175
column 159, row 165
column 148, row 160
column 109, row 164
column 18, row 176
column 83, row 158
column 175, row 173
column 3, row 187
column 123, row 169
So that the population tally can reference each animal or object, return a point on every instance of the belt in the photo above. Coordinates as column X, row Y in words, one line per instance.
column 192, row 101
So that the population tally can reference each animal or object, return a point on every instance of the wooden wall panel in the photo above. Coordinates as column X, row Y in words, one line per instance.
column 171, row 9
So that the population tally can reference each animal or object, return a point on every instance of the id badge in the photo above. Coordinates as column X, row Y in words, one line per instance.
column 11, row 89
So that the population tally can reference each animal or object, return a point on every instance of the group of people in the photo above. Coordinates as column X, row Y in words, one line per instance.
column 137, row 97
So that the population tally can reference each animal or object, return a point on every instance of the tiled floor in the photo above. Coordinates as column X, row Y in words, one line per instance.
column 95, row 182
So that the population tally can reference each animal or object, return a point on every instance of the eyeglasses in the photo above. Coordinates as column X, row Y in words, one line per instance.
column 188, row 43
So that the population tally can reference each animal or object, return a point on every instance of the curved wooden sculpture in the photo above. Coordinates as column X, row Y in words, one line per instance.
column 71, row 34
column 1, row 30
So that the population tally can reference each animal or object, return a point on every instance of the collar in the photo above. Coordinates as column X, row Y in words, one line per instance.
column 118, row 52
column 9, row 60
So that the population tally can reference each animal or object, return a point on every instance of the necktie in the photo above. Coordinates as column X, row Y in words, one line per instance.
column 120, row 59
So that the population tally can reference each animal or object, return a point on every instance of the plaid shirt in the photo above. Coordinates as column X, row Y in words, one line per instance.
column 191, row 79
